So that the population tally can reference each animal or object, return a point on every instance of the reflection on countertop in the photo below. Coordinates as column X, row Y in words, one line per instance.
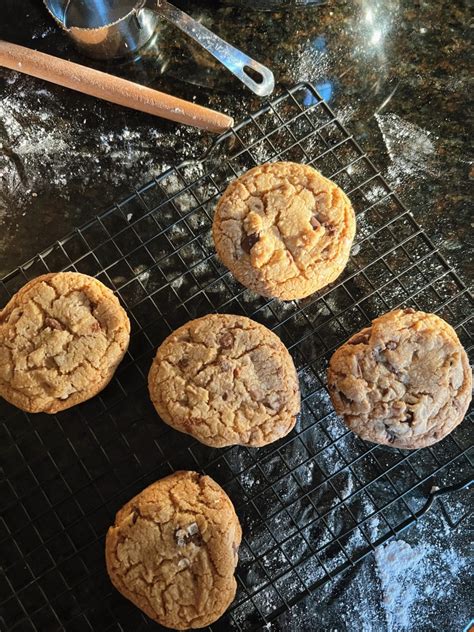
column 394, row 73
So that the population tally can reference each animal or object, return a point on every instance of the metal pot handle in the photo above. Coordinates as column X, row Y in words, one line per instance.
column 232, row 58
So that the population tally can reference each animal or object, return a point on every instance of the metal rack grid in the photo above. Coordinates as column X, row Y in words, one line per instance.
column 312, row 504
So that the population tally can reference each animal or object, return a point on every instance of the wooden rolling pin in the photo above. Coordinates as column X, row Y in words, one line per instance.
column 110, row 88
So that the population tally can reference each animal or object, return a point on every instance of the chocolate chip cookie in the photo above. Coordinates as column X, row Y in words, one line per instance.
column 225, row 380
column 173, row 550
column 405, row 381
column 61, row 338
column 284, row 230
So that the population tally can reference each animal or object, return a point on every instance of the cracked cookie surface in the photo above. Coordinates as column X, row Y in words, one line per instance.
column 284, row 230
column 405, row 381
column 173, row 550
column 62, row 336
column 226, row 380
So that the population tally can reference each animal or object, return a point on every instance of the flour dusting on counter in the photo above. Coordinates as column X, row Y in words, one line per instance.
column 411, row 149
column 413, row 578
column 44, row 144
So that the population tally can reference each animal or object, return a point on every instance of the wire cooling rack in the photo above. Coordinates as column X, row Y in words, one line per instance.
column 312, row 504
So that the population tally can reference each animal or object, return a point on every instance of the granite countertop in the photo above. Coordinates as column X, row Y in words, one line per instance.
column 394, row 71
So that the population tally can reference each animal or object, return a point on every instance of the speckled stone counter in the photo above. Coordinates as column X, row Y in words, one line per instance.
column 395, row 71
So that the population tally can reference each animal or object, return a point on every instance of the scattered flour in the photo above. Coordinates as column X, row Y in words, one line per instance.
column 411, row 149
column 398, row 565
column 45, row 143
column 414, row 578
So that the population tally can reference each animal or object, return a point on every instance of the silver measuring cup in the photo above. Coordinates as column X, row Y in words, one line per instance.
column 107, row 29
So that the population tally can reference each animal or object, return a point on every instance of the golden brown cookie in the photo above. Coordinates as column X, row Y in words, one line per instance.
column 225, row 380
column 61, row 338
column 404, row 381
column 284, row 230
column 173, row 550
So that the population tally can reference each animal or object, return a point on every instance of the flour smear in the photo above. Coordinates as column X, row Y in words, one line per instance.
column 45, row 143
column 414, row 581
column 412, row 149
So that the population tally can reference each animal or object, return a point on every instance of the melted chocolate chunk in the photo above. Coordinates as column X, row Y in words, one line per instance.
column 362, row 338
column 183, row 362
column 391, row 436
column 226, row 340
column 249, row 241
column 195, row 538
column 188, row 535
column 52, row 323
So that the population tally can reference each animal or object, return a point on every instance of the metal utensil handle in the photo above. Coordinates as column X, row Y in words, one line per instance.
column 232, row 58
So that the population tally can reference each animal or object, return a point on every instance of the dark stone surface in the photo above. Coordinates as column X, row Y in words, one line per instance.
column 397, row 67
column 395, row 71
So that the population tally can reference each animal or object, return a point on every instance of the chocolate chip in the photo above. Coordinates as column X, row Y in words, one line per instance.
column 249, row 241
column 195, row 538
column 391, row 436
column 409, row 417
column 409, row 310
column 393, row 370
column 224, row 365
column 273, row 403
column 189, row 535
column 52, row 323
column 344, row 398
column 180, row 536
column 226, row 341
column 315, row 223
column 361, row 338
column 183, row 362
column 391, row 345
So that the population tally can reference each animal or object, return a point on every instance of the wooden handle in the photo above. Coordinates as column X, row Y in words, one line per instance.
column 110, row 88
